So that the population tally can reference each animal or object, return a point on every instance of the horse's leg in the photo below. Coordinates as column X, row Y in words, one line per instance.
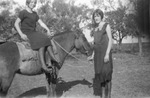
column 5, row 84
column 48, row 87
column 51, row 82
column 108, row 89
column 53, row 57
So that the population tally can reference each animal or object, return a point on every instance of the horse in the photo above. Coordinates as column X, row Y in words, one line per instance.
column 15, row 58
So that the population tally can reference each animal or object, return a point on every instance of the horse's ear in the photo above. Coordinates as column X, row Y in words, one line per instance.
column 77, row 45
column 76, row 34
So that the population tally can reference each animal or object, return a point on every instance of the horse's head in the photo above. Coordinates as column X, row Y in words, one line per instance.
column 81, row 44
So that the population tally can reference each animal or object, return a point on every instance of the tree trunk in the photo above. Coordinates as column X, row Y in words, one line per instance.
column 120, row 43
column 140, row 45
column 146, row 17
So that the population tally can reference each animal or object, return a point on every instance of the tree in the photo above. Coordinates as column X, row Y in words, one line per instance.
column 118, row 20
column 97, row 3
column 141, row 19
column 61, row 16
column 6, row 20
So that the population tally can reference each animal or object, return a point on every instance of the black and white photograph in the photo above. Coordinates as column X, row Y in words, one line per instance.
column 74, row 49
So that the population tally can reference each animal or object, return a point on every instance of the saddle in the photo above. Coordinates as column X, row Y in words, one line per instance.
column 27, row 54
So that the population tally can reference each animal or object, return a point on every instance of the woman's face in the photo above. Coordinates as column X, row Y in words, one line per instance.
column 32, row 4
column 97, row 18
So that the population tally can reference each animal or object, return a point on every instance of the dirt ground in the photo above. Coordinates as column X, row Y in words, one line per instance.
column 131, row 79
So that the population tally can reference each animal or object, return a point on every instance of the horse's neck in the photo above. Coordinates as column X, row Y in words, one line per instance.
column 64, row 44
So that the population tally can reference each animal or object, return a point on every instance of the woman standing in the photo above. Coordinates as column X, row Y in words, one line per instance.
column 27, row 30
column 102, row 55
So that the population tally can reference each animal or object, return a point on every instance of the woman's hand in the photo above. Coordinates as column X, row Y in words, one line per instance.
column 106, row 58
column 50, row 33
column 92, row 33
column 24, row 37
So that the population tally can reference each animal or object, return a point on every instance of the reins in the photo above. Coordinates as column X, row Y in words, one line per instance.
column 70, row 53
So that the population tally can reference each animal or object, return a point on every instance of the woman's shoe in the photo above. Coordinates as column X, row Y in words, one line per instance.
column 56, row 64
column 47, row 69
column 90, row 58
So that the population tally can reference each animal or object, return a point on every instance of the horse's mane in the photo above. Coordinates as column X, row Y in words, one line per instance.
column 63, row 33
column 62, row 36
column 2, row 42
column 78, row 31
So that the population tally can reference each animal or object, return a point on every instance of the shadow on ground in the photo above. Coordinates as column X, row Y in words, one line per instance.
column 34, row 92
column 62, row 86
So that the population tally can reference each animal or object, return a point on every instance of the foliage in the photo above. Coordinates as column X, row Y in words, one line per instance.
column 142, row 14
column 61, row 16
column 117, row 20
column 116, row 17
column 4, row 4
column 6, row 21
column 97, row 3
column 127, row 24
column 141, row 20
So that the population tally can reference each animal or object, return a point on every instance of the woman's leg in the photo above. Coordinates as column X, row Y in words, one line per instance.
column 51, row 53
column 53, row 57
column 42, row 58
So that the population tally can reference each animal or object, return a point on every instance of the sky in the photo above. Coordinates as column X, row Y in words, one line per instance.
column 87, row 2
column 21, row 2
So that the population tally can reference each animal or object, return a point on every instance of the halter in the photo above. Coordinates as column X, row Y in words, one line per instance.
column 69, row 52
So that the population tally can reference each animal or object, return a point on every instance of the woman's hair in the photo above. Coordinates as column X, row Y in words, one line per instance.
column 99, row 12
column 28, row 2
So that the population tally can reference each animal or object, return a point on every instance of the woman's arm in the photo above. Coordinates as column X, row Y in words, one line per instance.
column 108, row 31
column 17, row 22
column 42, row 24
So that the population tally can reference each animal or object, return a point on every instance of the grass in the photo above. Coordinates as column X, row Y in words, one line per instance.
column 131, row 76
